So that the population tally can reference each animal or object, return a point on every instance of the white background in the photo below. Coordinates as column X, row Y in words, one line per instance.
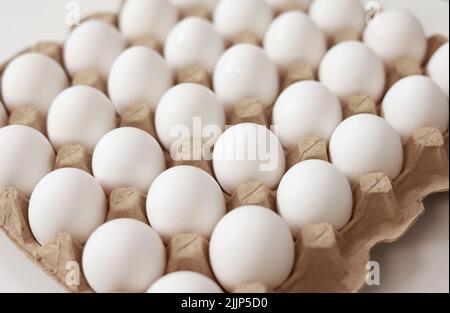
column 417, row 263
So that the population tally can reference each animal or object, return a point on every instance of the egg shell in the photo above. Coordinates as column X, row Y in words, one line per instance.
column 306, row 109
column 66, row 200
column 26, row 156
column 336, row 16
column 194, row 41
column 94, row 45
column 364, row 144
column 80, row 115
column 438, row 67
column 415, row 102
column 127, row 157
column 351, row 68
column 190, row 212
column 248, row 153
column 189, row 111
column 281, row 4
column 123, row 255
column 234, row 17
column 244, row 72
column 139, row 75
column 251, row 244
column 185, row 282
column 294, row 37
column 23, row 83
column 140, row 18
column 314, row 192
column 3, row 115
column 396, row 34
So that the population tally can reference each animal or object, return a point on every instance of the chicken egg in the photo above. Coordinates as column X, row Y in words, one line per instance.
column 185, row 282
column 26, row 156
column 93, row 45
column 127, row 157
column 123, row 255
column 23, row 83
column 438, row 67
column 80, row 115
column 139, row 75
column 251, row 244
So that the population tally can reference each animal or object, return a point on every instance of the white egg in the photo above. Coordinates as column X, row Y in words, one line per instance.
column 336, row 16
column 438, row 67
column 246, row 71
column 183, row 4
column 185, row 282
column 3, row 115
column 194, row 41
column 127, row 157
column 140, row 18
column 80, row 115
column 294, row 37
column 23, row 82
column 306, row 109
column 415, row 102
column 190, row 211
column 364, row 144
column 251, row 244
column 93, row 45
column 352, row 67
column 189, row 111
column 281, row 4
column 26, row 156
column 248, row 153
column 235, row 17
column 66, row 200
column 396, row 34
column 123, row 255
column 314, row 192
column 139, row 75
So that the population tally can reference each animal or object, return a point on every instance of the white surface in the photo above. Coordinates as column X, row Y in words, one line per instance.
column 417, row 263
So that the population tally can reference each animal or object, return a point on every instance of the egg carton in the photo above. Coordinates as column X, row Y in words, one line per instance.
column 327, row 260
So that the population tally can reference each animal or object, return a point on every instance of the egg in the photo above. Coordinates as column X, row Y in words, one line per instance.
column 94, row 45
column 246, row 71
column 364, row 144
column 396, row 34
column 190, row 211
column 26, row 156
column 80, row 115
column 139, row 75
column 66, row 200
column 334, row 17
column 185, row 282
column 438, row 67
column 247, row 153
column 23, row 83
column 314, row 192
column 3, row 116
column 251, row 244
column 235, row 17
column 415, row 102
column 127, row 157
column 189, row 111
column 194, row 41
column 154, row 18
column 123, row 255
column 352, row 67
column 303, row 110
column 185, row 4
column 294, row 37
column 282, row 4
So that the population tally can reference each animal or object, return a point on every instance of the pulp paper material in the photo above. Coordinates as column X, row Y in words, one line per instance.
column 326, row 260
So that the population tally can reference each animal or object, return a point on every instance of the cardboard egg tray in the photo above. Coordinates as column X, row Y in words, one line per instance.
column 327, row 260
